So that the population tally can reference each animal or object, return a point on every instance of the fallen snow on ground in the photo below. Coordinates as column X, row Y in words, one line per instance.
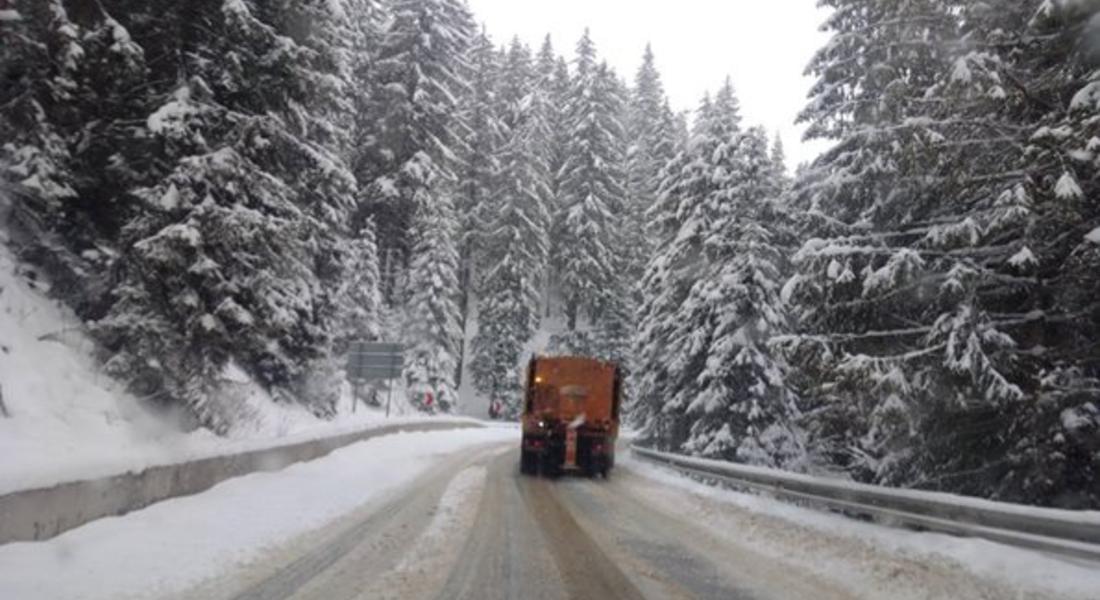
column 173, row 545
column 67, row 420
column 452, row 512
column 424, row 568
column 875, row 560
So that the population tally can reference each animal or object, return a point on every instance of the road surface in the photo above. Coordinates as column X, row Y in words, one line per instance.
column 474, row 528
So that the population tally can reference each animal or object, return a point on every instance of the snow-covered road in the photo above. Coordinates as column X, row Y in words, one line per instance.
column 446, row 515
column 175, row 545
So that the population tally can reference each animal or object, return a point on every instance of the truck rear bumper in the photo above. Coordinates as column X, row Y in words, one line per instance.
column 594, row 454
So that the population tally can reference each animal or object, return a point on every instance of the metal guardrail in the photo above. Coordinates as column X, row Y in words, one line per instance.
column 1068, row 533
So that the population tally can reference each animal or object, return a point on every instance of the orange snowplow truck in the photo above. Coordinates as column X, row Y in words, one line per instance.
column 571, row 416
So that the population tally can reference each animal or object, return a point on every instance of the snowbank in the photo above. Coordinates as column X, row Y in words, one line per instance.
column 171, row 546
column 68, row 421
column 1032, row 574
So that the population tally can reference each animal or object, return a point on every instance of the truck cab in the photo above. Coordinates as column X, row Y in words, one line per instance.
column 571, row 416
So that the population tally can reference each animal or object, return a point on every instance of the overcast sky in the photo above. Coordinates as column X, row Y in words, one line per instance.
column 764, row 45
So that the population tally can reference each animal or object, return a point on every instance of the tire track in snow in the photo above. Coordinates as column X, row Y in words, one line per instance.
column 347, row 557
column 425, row 565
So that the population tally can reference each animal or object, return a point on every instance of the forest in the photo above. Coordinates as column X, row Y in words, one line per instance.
column 255, row 184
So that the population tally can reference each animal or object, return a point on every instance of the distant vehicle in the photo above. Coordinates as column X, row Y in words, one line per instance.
column 571, row 416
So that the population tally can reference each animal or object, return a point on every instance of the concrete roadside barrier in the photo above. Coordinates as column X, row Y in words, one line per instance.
column 40, row 514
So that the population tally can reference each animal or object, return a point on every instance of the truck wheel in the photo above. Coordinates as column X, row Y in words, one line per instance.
column 528, row 463
column 551, row 467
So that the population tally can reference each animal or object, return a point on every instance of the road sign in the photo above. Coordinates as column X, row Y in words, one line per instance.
column 372, row 361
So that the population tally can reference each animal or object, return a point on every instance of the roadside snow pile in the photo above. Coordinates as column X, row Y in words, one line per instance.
column 874, row 561
column 171, row 546
column 64, row 416
column 66, row 420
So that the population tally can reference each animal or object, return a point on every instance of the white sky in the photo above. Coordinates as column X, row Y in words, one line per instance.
column 764, row 45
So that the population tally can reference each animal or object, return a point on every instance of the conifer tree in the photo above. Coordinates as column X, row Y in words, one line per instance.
column 586, row 226
column 649, row 129
column 779, row 162
column 708, row 380
column 66, row 119
column 236, row 252
column 480, row 114
column 1012, row 133
column 360, row 308
column 432, row 324
column 208, row 170
column 859, row 290
column 420, row 74
column 663, row 288
column 361, row 47
column 739, row 402
column 554, row 82
column 480, row 111
column 517, row 242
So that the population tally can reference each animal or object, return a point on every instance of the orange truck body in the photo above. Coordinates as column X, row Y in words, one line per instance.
column 571, row 416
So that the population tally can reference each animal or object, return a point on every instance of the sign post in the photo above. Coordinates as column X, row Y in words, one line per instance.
column 374, row 361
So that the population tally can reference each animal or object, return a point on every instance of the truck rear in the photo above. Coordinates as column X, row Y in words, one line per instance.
column 571, row 416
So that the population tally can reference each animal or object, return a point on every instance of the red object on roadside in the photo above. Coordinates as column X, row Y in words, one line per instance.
column 428, row 399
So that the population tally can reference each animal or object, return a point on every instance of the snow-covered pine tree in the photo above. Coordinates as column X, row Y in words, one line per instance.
column 332, row 34
column 647, row 117
column 360, row 301
column 1067, row 426
column 338, row 36
column 361, row 47
column 67, row 116
column 586, row 227
column 681, row 219
column 712, row 301
column 779, row 162
column 420, row 74
column 517, row 240
column 1012, row 138
column 616, row 315
column 737, row 399
column 236, row 244
column 480, row 112
column 872, row 290
column 649, row 126
column 520, row 97
column 553, row 80
column 35, row 150
column 432, row 326
column 412, row 164
column 662, row 288
column 555, row 83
